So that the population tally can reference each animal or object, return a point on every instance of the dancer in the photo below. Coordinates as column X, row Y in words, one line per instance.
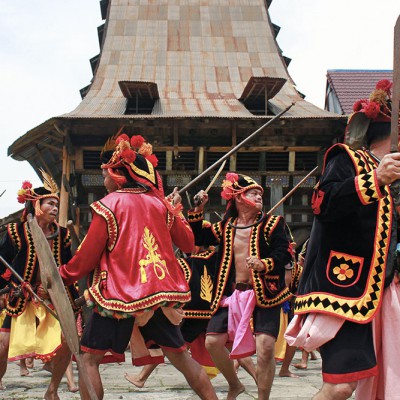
column 252, row 254
column 29, row 330
column 129, row 247
column 347, row 296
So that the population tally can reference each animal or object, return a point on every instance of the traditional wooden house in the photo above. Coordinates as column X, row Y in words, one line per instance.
column 194, row 78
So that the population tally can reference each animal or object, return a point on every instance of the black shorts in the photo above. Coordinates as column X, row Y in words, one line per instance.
column 191, row 328
column 265, row 320
column 6, row 326
column 350, row 355
column 160, row 331
column 107, row 335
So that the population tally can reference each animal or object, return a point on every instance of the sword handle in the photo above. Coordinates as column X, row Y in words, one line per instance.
column 199, row 198
column 196, row 200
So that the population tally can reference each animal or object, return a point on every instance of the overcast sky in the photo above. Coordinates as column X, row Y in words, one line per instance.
column 45, row 47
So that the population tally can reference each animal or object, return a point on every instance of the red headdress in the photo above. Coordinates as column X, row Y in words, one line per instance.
column 27, row 194
column 136, row 156
column 377, row 108
column 235, row 184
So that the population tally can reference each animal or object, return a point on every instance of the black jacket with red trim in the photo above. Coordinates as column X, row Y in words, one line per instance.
column 351, row 249
column 268, row 242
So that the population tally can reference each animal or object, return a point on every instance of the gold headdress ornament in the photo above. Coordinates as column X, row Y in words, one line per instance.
column 235, row 184
column 48, row 182
column 49, row 189
column 110, row 144
column 135, row 155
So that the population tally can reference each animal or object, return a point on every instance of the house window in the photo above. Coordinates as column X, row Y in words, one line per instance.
column 91, row 159
column 276, row 161
column 247, row 161
column 306, row 161
column 139, row 105
column 258, row 91
column 141, row 96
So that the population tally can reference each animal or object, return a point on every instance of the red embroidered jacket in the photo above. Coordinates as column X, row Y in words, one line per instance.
column 129, row 246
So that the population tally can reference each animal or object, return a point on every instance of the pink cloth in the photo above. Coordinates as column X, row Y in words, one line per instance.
column 241, row 306
column 386, row 328
column 313, row 330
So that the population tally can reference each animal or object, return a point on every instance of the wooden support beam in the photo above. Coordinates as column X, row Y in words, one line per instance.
column 63, row 133
column 292, row 160
column 176, row 139
column 43, row 162
column 51, row 147
column 64, row 201
column 168, row 156
column 225, row 149
column 233, row 157
column 201, row 159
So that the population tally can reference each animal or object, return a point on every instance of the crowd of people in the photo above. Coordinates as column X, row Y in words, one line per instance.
column 225, row 296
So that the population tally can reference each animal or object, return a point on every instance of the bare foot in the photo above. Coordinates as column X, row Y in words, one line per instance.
column 300, row 366
column 2, row 387
column 135, row 380
column 29, row 362
column 23, row 371
column 313, row 356
column 234, row 392
column 49, row 396
column 47, row 367
column 288, row 374
column 73, row 389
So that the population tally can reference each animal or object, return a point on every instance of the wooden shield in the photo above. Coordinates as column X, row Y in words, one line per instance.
column 52, row 282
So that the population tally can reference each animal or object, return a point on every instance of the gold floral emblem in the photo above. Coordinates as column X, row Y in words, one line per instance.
column 152, row 258
column 206, row 286
column 343, row 272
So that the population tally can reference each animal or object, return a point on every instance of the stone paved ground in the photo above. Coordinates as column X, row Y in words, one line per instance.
column 165, row 383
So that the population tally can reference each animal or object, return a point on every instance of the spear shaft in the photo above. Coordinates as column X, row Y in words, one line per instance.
column 233, row 150
column 291, row 192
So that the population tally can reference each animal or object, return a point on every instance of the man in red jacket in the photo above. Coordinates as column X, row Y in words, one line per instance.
column 136, row 277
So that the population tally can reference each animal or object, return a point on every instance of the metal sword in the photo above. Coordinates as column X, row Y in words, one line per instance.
column 28, row 287
column 197, row 199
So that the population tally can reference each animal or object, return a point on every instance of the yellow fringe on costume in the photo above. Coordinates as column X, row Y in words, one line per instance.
column 2, row 316
column 280, row 345
column 34, row 333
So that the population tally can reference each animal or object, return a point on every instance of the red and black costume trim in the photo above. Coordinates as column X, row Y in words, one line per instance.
column 200, row 270
column 112, row 226
column 129, row 248
column 268, row 242
column 344, row 274
column 18, row 250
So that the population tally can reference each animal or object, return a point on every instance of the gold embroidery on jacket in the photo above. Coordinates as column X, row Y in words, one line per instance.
column 152, row 257
column 206, row 286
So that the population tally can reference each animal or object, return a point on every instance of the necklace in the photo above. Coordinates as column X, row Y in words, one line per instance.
column 51, row 236
column 248, row 226
column 378, row 160
column 54, row 234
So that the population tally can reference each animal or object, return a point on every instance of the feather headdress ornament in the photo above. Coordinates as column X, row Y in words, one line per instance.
column 28, row 194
